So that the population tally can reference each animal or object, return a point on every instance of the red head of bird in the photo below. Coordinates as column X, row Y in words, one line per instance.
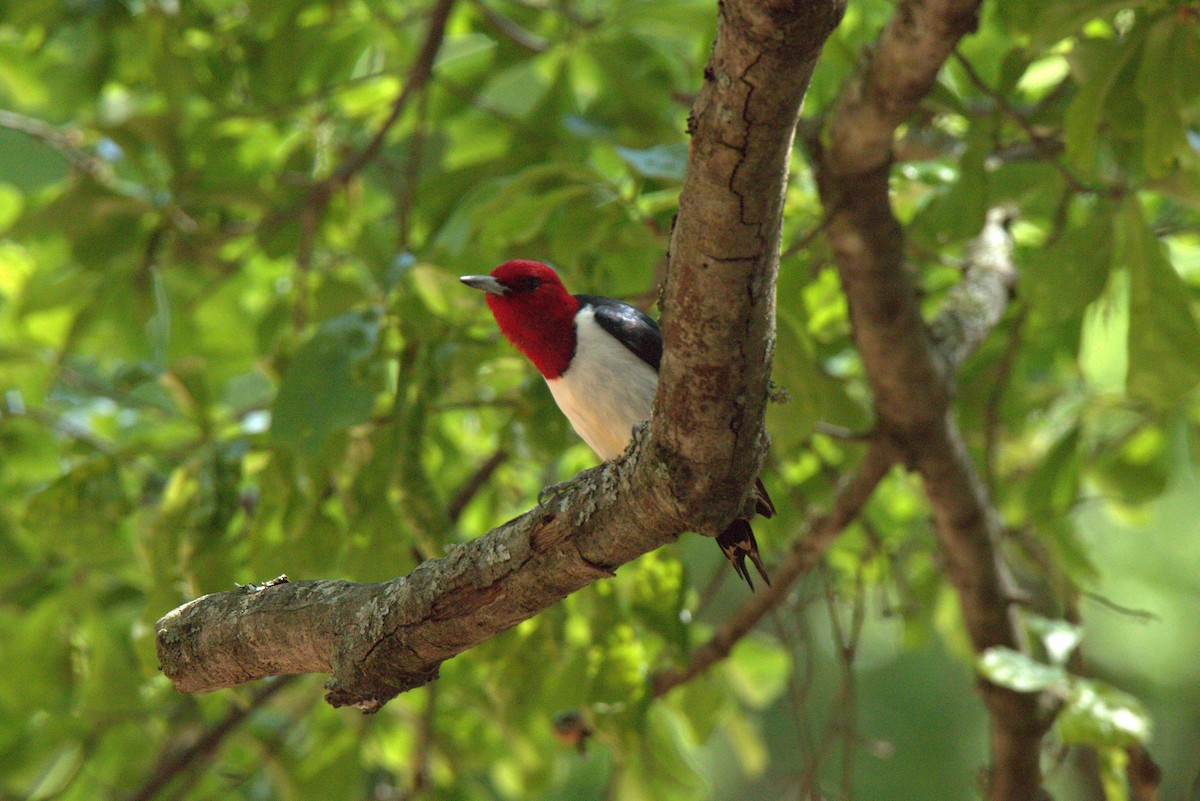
column 534, row 311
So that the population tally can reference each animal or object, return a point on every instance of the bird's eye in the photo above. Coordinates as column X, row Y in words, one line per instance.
column 528, row 284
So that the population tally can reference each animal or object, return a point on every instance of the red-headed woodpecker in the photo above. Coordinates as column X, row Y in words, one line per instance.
column 600, row 358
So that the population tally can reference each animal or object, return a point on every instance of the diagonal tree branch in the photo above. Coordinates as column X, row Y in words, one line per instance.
column 174, row 763
column 691, row 472
column 972, row 309
column 909, row 371
column 418, row 76
column 805, row 555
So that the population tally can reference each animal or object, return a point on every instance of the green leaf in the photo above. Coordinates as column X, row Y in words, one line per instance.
column 758, row 671
column 517, row 90
column 1164, row 341
column 1054, row 485
column 1098, row 63
column 1100, row 715
column 331, row 382
column 1058, row 637
column 1016, row 671
column 1164, row 133
column 80, row 513
column 1065, row 278
column 1061, row 19
column 1139, row 470
column 28, row 164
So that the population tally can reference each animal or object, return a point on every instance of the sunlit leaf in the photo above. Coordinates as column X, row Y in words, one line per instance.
column 1100, row 715
column 1164, row 341
column 1059, row 638
column 758, row 671
column 1016, row 671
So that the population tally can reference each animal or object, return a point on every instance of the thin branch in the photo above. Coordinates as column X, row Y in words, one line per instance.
column 1046, row 148
column 406, row 198
column 1143, row 773
column 842, row 433
column 418, row 75
column 1140, row 615
column 426, row 732
column 806, row 239
column 842, row 722
column 317, row 200
column 471, row 487
column 805, row 554
column 173, row 764
column 512, row 31
column 68, row 142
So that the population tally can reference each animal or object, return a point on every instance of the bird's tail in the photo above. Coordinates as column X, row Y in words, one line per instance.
column 737, row 542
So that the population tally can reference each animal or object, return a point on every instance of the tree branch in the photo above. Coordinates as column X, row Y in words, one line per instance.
column 805, row 555
column 174, row 763
column 418, row 76
column 691, row 472
column 910, row 371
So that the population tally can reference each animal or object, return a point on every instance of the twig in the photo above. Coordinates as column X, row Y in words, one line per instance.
column 173, row 764
column 1044, row 147
column 841, row 432
column 1141, row 615
column 1143, row 773
column 471, row 487
column 806, row 239
column 843, row 722
column 406, row 199
column 806, row 553
column 319, row 195
column 68, row 142
column 418, row 75
column 512, row 31
column 424, row 744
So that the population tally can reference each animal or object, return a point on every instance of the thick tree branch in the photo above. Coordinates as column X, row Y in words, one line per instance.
column 910, row 371
column 719, row 299
column 380, row 639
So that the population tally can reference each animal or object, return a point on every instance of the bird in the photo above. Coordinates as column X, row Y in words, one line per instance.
column 600, row 359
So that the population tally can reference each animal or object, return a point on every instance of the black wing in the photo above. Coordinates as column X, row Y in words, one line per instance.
column 632, row 328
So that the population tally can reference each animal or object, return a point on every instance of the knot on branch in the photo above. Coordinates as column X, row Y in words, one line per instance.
column 978, row 302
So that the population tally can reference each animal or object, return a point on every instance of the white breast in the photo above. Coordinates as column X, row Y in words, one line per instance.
column 606, row 391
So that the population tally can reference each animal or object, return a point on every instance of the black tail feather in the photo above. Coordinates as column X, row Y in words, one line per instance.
column 737, row 542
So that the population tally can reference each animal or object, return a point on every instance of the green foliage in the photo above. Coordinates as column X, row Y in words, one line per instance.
column 207, row 377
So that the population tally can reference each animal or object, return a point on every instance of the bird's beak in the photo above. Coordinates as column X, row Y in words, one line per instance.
column 486, row 283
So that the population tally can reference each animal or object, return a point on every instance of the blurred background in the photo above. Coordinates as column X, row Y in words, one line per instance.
column 233, row 345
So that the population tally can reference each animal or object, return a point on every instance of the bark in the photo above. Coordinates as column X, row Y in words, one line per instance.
column 691, row 472
column 909, row 371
